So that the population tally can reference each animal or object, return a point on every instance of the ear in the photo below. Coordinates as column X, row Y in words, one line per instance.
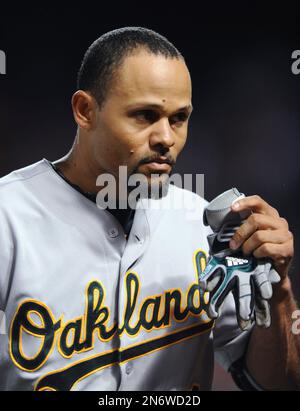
column 84, row 110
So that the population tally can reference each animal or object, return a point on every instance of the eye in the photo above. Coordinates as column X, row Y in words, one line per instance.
column 179, row 118
column 148, row 116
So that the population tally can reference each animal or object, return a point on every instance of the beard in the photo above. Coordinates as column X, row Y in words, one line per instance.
column 154, row 187
column 131, row 188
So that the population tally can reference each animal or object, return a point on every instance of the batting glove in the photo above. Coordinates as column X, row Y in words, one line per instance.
column 249, row 279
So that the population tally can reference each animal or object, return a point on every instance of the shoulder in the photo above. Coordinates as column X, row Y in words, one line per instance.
column 17, row 185
column 23, row 174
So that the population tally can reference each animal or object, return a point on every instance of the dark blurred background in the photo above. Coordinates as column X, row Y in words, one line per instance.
column 245, row 126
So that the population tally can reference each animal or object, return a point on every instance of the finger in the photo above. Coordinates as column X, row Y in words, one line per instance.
column 276, row 252
column 281, row 254
column 243, row 296
column 245, row 300
column 254, row 223
column 256, row 204
column 262, row 285
column 265, row 236
column 244, row 325
column 218, row 296
column 274, row 277
column 214, row 281
column 262, row 312
column 211, row 277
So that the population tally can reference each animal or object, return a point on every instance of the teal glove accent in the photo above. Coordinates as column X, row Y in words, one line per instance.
column 250, row 280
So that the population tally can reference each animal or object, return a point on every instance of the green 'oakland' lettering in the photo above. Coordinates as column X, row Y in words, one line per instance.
column 78, row 335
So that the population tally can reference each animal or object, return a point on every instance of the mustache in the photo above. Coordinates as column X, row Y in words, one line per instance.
column 157, row 158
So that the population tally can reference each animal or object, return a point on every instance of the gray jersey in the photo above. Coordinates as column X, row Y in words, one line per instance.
column 86, row 309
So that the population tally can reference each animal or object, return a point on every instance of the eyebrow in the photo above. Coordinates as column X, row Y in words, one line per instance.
column 156, row 106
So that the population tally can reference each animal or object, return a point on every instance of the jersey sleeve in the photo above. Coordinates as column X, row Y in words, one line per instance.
column 230, row 342
column 6, row 260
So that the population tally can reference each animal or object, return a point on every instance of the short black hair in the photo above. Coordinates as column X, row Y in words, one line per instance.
column 106, row 54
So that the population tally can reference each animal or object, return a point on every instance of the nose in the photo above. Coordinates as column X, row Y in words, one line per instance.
column 162, row 134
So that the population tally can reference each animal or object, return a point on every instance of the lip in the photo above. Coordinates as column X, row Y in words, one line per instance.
column 158, row 166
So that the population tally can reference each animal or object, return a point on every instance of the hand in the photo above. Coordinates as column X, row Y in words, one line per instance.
column 264, row 234
column 249, row 280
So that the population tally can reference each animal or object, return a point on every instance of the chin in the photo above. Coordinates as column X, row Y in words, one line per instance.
column 157, row 186
column 153, row 186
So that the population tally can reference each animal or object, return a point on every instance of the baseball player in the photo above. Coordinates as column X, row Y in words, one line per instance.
column 109, row 299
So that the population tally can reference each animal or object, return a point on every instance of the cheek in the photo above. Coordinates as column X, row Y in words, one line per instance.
column 109, row 141
column 114, row 151
column 180, row 141
column 133, row 146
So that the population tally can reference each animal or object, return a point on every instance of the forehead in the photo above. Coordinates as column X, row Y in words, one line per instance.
column 155, row 77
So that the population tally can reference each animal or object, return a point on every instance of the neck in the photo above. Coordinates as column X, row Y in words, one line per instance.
column 79, row 168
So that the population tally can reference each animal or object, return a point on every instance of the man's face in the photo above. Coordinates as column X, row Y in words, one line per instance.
column 144, row 120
